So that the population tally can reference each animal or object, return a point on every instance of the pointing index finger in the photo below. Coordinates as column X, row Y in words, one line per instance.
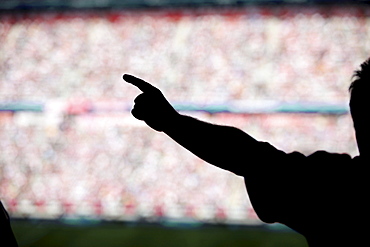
column 139, row 83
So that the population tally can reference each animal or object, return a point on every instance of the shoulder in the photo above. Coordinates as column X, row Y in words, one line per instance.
column 269, row 154
column 318, row 155
column 326, row 155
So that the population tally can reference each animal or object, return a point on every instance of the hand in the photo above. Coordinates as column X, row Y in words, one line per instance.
column 151, row 106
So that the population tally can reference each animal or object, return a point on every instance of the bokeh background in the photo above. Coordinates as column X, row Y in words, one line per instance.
column 76, row 169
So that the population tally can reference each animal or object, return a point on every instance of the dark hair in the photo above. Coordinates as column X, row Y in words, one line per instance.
column 359, row 89
column 361, row 76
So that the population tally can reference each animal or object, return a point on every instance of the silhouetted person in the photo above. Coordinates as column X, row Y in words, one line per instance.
column 322, row 196
column 7, row 238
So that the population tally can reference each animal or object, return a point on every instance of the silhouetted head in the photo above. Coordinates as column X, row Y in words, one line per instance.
column 360, row 106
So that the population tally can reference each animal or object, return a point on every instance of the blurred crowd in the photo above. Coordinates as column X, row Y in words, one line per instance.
column 113, row 165
column 285, row 54
column 108, row 162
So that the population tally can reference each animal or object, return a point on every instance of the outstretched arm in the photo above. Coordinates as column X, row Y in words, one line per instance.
column 222, row 146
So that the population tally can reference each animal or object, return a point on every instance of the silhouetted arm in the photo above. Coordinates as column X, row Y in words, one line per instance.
column 222, row 146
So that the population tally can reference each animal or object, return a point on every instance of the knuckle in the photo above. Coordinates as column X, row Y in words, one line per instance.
column 157, row 91
column 141, row 112
column 139, row 98
column 136, row 114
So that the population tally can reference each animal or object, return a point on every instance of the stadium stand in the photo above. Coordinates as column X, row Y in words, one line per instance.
column 74, row 150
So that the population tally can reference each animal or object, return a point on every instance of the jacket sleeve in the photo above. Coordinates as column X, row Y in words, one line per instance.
column 275, row 182
column 284, row 187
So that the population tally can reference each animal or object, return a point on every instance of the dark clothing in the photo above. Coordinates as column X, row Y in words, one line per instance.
column 321, row 196
column 6, row 234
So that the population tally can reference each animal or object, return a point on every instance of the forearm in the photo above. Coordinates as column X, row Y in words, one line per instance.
column 223, row 146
